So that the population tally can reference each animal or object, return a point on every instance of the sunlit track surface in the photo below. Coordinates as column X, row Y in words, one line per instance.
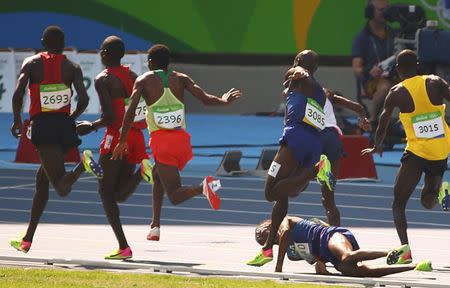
column 193, row 235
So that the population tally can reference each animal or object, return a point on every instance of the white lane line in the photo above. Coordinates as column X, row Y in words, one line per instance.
column 17, row 186
column 235, row 189
column 266, row 214
column 231, row 200
column 127, row 217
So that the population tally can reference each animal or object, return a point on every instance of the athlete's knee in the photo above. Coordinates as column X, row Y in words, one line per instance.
column 428, row 200
column 173, row 198
column 63, row 191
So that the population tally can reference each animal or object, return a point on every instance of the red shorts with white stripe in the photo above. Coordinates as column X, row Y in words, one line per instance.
column 135, row 142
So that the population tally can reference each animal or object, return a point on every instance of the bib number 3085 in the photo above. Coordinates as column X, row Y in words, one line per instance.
column 429, row 125
column 54, row 96
column 314, row 114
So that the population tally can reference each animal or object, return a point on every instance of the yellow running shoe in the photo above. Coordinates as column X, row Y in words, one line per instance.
column 90, row 165
column 424, row 266
column 146, row 171
column 120, row 254
column 401, row 255
column 262, row 258
column 324, row 175
column 444, row 197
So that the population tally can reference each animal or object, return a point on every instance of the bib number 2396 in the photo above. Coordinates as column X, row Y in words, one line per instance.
column 169, row 117
column 54, row 96
column 314, row 114
column 429, row 125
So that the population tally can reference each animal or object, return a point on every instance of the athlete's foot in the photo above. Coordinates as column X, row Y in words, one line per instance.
column 424, row 266
column 324, row 175
column 401, row 255
column 210, row 187
column 146, row 171
column 20, row 245
column 154, row 233
column 120, row 254
column 90, row 165
column 444, row 197
column 263, row 257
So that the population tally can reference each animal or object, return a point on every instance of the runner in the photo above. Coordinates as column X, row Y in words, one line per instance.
column 331, row 138
column 300, row 149
column 422, row 113
column 114, row 86
column 317, row 242
column 50, row 75
column 163, row 91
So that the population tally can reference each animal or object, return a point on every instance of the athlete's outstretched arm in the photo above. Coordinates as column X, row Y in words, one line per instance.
column 209, row 99
column 83, row 98
column 283, row 242
column 363, row 122
column 17, row 99
column 138, row 89
column 383, row 123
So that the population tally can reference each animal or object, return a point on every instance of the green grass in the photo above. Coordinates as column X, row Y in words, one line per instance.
column 38, row 278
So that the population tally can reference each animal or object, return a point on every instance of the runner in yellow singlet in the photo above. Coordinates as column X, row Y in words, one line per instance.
column 422, row 113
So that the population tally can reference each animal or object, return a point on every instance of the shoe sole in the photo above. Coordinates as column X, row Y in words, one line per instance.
column 153, row 238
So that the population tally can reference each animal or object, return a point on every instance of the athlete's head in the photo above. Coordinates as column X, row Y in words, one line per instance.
column 407, row 63
column 262, row 231
column 112, row 50
column 308, row 60
column 53, row 39
column 158, row 57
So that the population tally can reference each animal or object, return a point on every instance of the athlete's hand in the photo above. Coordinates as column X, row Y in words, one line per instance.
column 119, row 151
column 376, row 71
column 374, row 149
column 364, row 124
column 84, row 127
column 232, row 95
column 16, row 128
column 299, row 74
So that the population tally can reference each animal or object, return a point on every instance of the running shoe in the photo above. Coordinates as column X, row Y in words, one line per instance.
column 20, row 245
column 210, row 187
column 154, row 233
column 146, row 171
column 401, row 255
column 444, row 197
column 263, row 257
column 324, row 175
column 424, row 266
column 90, row 165
column 120, row 254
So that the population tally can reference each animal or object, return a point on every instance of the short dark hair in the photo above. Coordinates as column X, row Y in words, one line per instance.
column 53, row 37
column 262, row 231
column 114, row 47
column 407, row 59
column 159, row 54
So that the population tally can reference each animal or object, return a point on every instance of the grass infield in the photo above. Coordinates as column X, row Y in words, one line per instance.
column 39, row 278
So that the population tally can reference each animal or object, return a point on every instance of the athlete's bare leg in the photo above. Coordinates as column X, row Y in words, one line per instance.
column 407, row 179
column 430, row 191
column 333, row 215
column 52, row 159
column 128, row 180
column 171, row 182
column 107, row 188
column 157, row 198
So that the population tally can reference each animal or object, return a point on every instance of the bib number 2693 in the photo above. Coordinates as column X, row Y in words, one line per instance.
column 54, row 96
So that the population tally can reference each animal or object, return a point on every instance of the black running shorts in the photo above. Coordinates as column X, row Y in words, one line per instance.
column 429, row 167
column 54, row 128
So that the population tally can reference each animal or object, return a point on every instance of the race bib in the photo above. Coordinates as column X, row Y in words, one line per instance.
column 314, row 115
column 54, row 96
column 303, row 251
column 429, row 125
column 141, row 110
column 168, row 116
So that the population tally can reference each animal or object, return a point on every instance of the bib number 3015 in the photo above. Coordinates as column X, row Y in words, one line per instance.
column 429, row 125
column 314, row 114
column 54, row 96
